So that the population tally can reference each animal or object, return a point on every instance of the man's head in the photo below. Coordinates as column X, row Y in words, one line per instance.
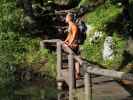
column 69, row 17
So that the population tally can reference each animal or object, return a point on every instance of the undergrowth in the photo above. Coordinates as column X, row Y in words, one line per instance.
column 100, row 19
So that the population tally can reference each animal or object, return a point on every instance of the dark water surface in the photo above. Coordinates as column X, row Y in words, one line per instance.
column 36, row 90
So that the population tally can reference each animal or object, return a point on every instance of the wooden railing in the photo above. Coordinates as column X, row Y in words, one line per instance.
column 88, row 69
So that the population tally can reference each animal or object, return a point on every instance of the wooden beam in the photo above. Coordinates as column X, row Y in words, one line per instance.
column 86, row 83
column 51, row 41
column 42, row 45
column 59, row 64
column 65, row 48
column 69, row 50
column 94, row 69
column 104, row 72
column 110, row 73
column 88, row 86
column 71, row 75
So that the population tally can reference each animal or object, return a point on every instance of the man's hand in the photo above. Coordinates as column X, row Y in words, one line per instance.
column 66, row 42
column 69, row 45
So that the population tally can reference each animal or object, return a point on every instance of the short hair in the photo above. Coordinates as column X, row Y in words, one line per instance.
column 70, row 14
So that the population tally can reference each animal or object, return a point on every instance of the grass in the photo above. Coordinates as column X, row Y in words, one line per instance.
column 102, row 15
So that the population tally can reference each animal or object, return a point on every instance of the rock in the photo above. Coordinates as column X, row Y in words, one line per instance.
column 108, row 49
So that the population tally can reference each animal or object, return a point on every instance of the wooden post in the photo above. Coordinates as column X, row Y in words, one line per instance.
column 59, row 96
column 88, row 86
column 71, row 75
column 59, row 65
column 42, row 45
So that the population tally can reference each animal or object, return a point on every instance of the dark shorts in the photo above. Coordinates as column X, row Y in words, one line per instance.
column 76, row 50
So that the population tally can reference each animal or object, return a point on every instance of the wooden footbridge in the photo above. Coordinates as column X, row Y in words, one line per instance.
column 97, row 82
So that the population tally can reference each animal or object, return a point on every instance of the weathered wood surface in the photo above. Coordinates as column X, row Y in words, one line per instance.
column 71, row 76
column 108, row 89
column 110, row 73
column 59, row 61
column 94, row 69
column 65, row 48
column 105, row 88
column 88, row 86
column 50, row 41
column 65, row 77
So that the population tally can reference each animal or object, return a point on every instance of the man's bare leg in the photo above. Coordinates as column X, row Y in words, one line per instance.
column 77, row 68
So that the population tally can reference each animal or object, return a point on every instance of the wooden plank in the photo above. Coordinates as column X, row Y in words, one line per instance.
column 86, row 82
column 59, row 65
column 93, row 69
column 59, row 60
column 68, row 50
column 65, row 48
column 105, row 88
column 51, row 41
column 65, row 76
column 88, row 86
column 71, row 75
column 104, row 72
column 110, row 73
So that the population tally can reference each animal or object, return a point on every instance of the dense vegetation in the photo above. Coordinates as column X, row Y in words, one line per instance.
column 18, row 50
column 109, row 19
column 21, row 50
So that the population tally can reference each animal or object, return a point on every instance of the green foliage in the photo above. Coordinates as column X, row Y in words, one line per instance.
column 9, row 17
column 46, row 92
column 93, row 52
column 6, row 58
column 102, row 15
column 100, row 19
column 17, row 50
column 84, row 2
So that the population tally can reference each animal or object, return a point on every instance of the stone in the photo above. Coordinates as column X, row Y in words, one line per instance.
column 108, row 52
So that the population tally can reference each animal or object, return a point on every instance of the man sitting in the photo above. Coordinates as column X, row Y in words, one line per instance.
column 72, row 40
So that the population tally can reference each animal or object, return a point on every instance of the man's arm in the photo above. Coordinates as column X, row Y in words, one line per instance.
column 68, row 37
column 74, row 34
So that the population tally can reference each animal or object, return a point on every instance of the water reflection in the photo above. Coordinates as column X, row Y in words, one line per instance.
column 37, row 93
column 36, row 90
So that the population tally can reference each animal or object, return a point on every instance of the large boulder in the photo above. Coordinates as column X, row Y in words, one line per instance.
column 108, row 52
